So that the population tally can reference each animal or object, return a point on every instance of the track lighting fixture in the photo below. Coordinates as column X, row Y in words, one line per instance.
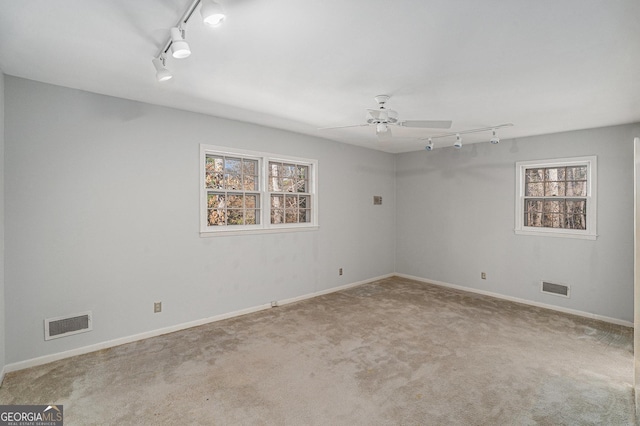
column 162, row 73
column 429, row 146
column 212, row 13
column 458, row 142
column 494, row 139
column 179, row 45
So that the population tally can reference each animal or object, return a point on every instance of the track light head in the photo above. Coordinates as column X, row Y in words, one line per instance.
column 162, row 73
column 179, row 46
column 458, row 142
column 494, row 139
column 429, row 146
column 212, row 13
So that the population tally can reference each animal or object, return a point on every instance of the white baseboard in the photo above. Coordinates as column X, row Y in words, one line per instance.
column 33, row 362
column 523, row 301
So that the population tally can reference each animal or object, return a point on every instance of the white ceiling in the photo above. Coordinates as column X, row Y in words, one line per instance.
column 544, row 65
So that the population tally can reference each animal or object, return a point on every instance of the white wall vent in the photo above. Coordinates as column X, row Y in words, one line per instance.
column 555, row 289
column 66, row 326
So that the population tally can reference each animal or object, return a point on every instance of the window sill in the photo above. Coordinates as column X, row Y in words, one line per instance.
column 225, row 233
column 560, row 234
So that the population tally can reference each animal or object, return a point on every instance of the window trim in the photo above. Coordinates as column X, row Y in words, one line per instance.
column 265, row 225
column 591, row 198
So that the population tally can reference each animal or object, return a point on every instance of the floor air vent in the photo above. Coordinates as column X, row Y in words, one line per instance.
column 555, row 289
column 66, row 326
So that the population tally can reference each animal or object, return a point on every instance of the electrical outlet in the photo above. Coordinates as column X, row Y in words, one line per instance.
column 483, row 275
column 340, row 271
column 157, row 307
column 274, row 304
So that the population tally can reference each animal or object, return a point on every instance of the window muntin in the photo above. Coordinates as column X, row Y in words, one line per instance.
column 253, row 191
column 557, row 197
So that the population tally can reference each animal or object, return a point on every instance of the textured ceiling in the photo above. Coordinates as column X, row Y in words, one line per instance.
column 545, row 66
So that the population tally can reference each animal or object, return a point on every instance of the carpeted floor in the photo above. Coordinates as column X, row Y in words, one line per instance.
column 392, row 352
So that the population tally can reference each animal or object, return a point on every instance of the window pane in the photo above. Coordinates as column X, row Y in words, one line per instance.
column 277, row 202
column 235, row 217
column 303, row 172
column 288, row 184
column 535, row 190
column 289, row 170
column 553, row 220
column 580, row 221
column 533, row 205
column 233, row 166
column 575, row 222
column 250, row 183
column 213, row 173
column 291, row 202
column 251, row 217
column 577, row 173
column 216, row 201
column 304, row 202
column 277, row 216
column 291, row 216
column 534, row 175
column 232, row 181
column 235, row 201
column 305, row 215
column 577, row 189
column 250, row 167
column 301, row 185
column 216, row 212
column 533, row 218
column 554, row 189
column 576, row 206
column 555, row 174
column 250, row 201
column 553, row 206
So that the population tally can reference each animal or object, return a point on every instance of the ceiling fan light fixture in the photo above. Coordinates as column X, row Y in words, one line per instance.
column 162, row 73
column 429, row 146
column 458, row 142
column 179, row 46
column 212, row 13
column 381, row 128
column 494, row 139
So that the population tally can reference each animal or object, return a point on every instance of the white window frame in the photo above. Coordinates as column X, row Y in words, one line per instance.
column 265, row 225
column 591, row 198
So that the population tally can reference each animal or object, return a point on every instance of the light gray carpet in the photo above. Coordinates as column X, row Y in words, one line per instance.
column 392, row 352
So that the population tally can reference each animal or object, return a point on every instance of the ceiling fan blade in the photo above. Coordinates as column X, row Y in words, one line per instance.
column 427, row 124
column 344, row 127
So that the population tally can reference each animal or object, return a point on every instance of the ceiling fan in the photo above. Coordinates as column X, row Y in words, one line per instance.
column 382, row 118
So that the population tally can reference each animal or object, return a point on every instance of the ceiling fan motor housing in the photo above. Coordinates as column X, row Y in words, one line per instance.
column 382, row 115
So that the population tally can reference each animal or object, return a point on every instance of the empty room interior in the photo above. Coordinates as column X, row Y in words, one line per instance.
column 325, row 212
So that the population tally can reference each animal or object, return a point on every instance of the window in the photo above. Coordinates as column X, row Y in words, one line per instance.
column 556, row 197
column 246, row 191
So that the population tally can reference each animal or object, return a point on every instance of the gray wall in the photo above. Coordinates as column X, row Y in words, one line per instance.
column 102, row 204
column 2, row 168
column 455, row 212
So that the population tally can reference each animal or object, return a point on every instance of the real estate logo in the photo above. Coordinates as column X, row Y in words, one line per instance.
column 31, row 415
